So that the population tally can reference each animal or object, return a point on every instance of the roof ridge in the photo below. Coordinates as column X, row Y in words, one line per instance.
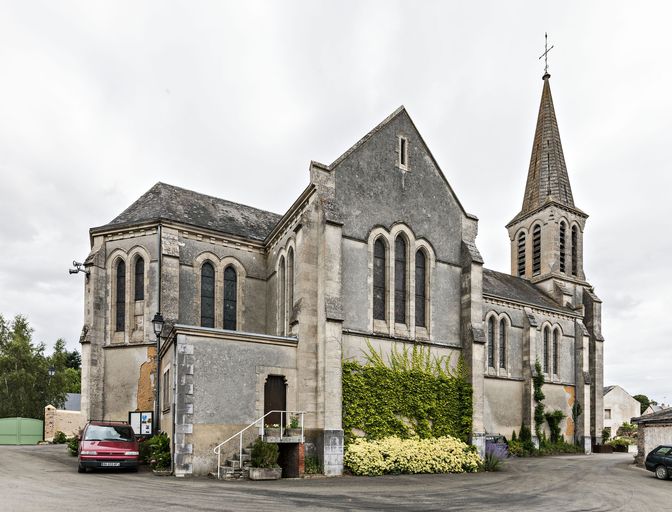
column 367, row 136
column 221, row 199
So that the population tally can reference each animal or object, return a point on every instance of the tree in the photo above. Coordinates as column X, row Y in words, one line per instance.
column 644, row 402
column 25, row 385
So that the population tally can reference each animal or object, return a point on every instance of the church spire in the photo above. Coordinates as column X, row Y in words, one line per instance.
column 547, row 177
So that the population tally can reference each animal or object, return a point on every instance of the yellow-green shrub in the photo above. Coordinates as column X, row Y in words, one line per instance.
column 395, row 455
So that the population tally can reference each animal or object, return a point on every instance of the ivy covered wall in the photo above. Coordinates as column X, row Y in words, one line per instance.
column 413, row 394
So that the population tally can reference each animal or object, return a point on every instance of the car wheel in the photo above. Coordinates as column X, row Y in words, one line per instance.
column 661, row 473
column 81, row 469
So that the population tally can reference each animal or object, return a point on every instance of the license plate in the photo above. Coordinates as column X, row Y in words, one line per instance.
column 110, row 464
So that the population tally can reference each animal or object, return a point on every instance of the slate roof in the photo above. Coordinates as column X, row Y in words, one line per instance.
column 607, row 389
column 167, row 202
column 547, row 178
column 517, row 289
column 664, row 416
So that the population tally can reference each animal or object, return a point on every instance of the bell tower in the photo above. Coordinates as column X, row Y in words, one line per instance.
column 547, row 235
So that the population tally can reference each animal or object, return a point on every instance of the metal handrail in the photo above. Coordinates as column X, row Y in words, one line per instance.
column 217, row 449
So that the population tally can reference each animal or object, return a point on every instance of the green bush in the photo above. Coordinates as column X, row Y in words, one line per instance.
column 491, row 462
column 393, row 455
column 73, row 445
column 554, row 418
column 264, row 455
column 620, row 441
column 155, row 451
column 312, row 465
column 60, row 437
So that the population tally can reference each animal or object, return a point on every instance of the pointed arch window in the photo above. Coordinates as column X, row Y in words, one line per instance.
column 379, row 284
column 282, row 294
column 290, row 283
column 575, row 250
column 207, row 295
column 120, row 303
column 400, row 280
column 230, row 298
column 546, row 349
column 521, row 254
column 139, row 281
column 563, row 245
column 556, row 342
column 502, row 343
column 536, row 249
column 491, row 342
column 420, row 289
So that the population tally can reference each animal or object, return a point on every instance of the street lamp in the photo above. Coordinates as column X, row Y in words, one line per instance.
column 157, row 324
column 52, row 372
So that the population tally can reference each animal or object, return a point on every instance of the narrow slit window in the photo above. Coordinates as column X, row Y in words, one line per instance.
column 536, row 250
column 139, row 280
column 400, row 280
column 521, row 254
column 420, row 288
column 120, row 303
column 563, row 230
column 403, row 152
column 290, row 283
column 491, row 342
column 207, row 295
column 282, row 294
column 230, row 298
column 379, row 257
column 575, row 251
column 502, row 343
column 556, row 342
column 546, row 349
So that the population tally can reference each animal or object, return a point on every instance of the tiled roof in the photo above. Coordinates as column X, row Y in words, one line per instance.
column 664, row 416
column 517, row 289
column 166, row 202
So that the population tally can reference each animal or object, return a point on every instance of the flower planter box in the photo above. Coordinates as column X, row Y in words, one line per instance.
column 602, row 448
column 272, row 432
column 265, row 473
column 292, row 432
column 162, row 472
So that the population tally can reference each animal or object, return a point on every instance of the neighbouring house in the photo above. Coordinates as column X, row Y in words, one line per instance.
column 653, row 429
column 262, row 309
column 654, row 408
column 619, row 408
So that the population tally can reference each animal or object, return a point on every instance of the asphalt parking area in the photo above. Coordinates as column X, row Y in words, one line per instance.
column 40, row 478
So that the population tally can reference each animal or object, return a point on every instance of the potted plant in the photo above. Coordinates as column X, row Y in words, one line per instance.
column 264, row 461
column 272, row 430
column 294, row 427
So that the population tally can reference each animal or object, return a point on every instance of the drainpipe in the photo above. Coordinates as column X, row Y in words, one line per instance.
column 157, row 406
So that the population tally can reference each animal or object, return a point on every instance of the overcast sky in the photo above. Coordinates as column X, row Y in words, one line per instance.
column 100, row 100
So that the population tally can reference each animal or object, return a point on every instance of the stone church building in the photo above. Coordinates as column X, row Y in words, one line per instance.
column 378, row 249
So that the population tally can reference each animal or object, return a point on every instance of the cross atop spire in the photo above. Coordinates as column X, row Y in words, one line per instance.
column 545, row 55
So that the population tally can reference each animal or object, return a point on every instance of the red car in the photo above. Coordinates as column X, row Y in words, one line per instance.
column 108, row 444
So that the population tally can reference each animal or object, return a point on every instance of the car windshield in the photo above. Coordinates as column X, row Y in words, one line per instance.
column 109, row 433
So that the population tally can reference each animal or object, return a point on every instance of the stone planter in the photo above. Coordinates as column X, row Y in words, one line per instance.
column 272, row 432
column 265, row 473
column 162, row 472
column 292, row 432
column 602, row 448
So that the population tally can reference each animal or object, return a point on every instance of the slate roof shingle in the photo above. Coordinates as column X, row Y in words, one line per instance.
column 517, row 289
column 176, row 204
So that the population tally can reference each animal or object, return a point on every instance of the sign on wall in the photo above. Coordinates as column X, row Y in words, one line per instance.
column 142, row 422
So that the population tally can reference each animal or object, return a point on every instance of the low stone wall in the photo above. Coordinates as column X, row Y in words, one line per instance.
column 68, row 422
column 649, row 437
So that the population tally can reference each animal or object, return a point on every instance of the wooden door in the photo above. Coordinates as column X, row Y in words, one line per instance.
column 275, row 398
